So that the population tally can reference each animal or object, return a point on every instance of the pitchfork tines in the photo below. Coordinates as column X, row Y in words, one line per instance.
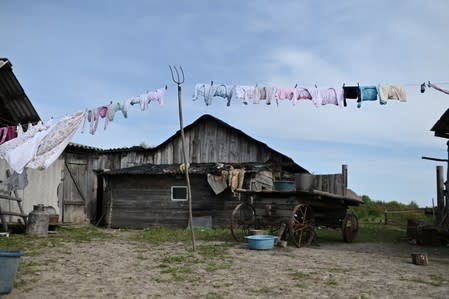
column 179, row 79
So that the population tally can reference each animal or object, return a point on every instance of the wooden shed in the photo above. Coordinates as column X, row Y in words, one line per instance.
column 156, row 195
column 208, row 139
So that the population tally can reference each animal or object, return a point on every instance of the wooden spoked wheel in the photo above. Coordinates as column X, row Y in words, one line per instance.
column 350, row 228
column 243, row 219
column 302, row 225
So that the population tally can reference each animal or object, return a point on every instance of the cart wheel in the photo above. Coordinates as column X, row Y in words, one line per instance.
column 302, row 225
column 349, row 227
column 242, row 220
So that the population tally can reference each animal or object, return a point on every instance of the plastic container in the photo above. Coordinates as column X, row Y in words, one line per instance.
column 9, row 260
column 37, row 223
column 261, row 242
column 284, row 186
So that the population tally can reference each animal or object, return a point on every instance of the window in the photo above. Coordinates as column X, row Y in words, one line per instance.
column 179, row 193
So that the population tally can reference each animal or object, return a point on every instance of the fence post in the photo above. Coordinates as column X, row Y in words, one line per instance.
column 385, row 216
column 440, row 193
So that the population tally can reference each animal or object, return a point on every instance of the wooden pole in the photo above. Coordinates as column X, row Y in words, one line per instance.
column 440, row 192
column 344, row 171
column 186, row 163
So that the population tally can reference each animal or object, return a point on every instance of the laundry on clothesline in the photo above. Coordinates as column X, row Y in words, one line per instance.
column 107, row 112
column 209, row 91
column 392, row 92
column 7, row 133
column 319, row 96
column 41, row 144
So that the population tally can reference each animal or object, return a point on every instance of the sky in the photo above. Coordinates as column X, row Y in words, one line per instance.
column 73, row 55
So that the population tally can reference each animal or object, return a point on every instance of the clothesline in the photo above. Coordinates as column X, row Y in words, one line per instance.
column 41, row 144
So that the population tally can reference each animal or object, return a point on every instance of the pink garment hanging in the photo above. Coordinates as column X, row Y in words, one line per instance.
column 303, row 94
column 325, row 96
column 7, row 133
column 100, row 112
column 286, row 93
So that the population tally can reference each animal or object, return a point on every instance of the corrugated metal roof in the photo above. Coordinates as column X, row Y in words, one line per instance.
column 73, row 145
column 15, row 107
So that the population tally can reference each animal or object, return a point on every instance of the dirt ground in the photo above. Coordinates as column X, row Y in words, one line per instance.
column 117, row 268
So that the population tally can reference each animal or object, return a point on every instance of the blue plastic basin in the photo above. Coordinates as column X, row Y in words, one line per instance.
column 261, row 242
column 9, row 260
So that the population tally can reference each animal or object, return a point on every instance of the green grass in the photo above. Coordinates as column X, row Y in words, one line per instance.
column 367, row 233
column 162, row 235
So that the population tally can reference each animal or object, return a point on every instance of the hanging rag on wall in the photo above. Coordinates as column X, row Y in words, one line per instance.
column 430, row 85
column 392, row 92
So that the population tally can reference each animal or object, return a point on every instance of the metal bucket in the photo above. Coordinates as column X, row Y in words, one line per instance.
column 9, row 260
column 37, row 223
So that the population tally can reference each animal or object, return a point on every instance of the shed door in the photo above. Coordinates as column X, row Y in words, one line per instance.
column 75, row 191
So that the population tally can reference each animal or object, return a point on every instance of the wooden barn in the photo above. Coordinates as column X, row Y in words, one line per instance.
column 153, row 194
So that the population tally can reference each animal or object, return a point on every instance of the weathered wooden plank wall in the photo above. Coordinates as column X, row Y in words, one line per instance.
column 332, row 183
column 208, row 142
column 145, row 201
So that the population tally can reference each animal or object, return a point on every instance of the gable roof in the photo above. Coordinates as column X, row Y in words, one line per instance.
column 441, row 127
column 204, row 118
column 15, row 107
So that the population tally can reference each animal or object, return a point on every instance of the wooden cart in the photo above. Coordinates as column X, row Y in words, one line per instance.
column 294, row 215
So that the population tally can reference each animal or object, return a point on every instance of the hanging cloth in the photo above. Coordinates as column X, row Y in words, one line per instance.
column 146, row 98
column 100, row 112
column 263, row 93
column 57, row 139
column 7, row 133
column 303, row 94
column 367, row 93
column 437, row 88
column 245, row 93
column 327, row 96
column 350, row 92
column 392, row 92
column 115, row 107
column 208, row 91
column 21, row 150
column 286, row 93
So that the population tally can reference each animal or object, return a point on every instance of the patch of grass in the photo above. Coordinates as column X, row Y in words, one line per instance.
column 331, row 282
column 214, row 296
column 299, row 285
column 263, row 291
column 367, row 233
column 436, row 283
column 337, row 270
column 212, row 266
column 297, row 275
column 161, row 235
